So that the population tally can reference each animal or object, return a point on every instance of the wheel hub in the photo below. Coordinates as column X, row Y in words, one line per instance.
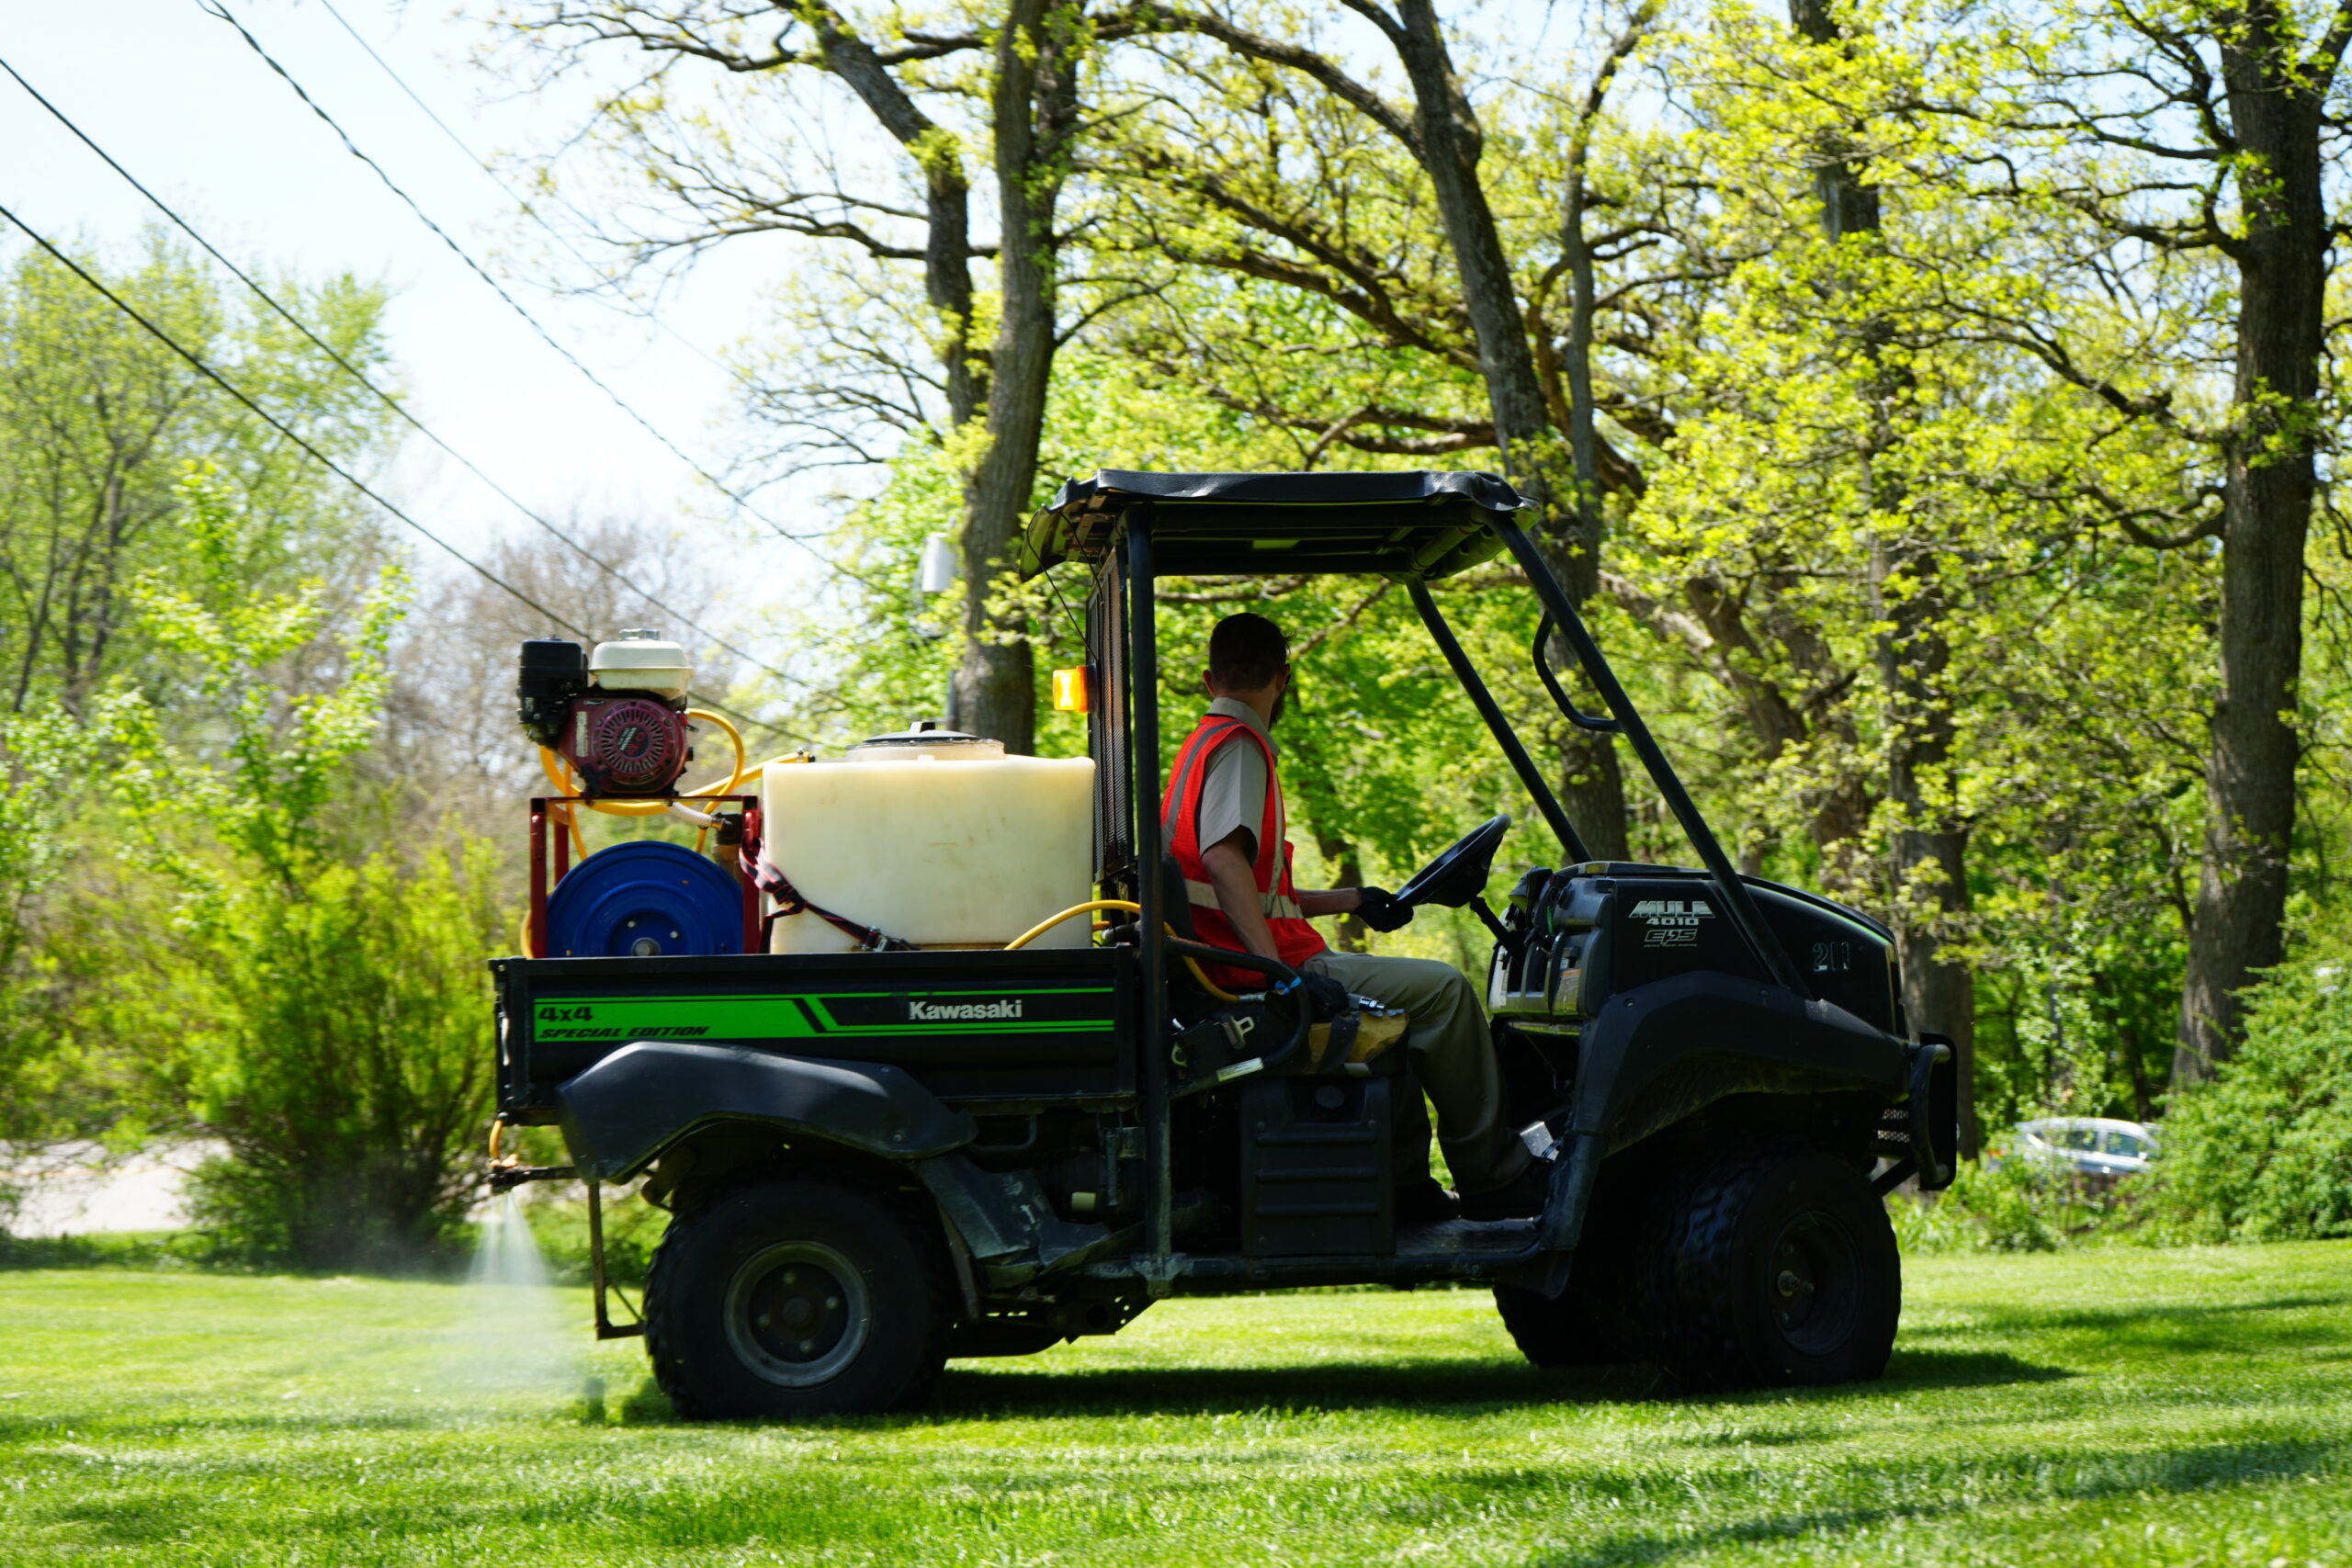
column 1816, row 1274
column 797, row 1313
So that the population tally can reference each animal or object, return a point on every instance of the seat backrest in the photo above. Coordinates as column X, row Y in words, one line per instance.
column 1179, row 903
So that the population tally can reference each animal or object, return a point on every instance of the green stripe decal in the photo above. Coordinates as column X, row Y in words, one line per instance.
column 1055, row 1011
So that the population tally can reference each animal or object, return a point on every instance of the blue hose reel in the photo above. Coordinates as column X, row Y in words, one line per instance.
column 643, row 899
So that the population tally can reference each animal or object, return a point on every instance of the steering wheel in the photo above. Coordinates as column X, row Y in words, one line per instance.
column 1459, row 874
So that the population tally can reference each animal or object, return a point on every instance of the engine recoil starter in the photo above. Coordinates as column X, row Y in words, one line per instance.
column 626, row 744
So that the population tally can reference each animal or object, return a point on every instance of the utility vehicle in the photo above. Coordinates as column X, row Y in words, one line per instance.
column 876, row 1161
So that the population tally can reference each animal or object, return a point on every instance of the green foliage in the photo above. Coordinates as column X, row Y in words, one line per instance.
column 319, row 1006
column 98, row 420
column 559, row 1223
column 42, row 754
column 150, row 526
column 2003, row 1205
column 340, row 1043
column 2264, row 1153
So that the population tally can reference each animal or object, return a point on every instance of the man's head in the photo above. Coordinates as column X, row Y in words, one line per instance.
column 1249, row 661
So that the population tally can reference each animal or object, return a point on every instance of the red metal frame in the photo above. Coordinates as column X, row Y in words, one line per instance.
column 542, row 884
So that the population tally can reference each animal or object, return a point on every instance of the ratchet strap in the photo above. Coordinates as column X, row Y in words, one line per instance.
column 770, row 880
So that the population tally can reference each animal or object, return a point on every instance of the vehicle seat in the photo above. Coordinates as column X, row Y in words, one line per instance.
column 1372, row 1043
column 1178, row 913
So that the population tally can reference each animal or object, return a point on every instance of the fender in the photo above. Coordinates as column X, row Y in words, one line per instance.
column 619, row 1114
column 1660, row 1052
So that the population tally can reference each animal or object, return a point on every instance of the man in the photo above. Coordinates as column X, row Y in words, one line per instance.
column 1224, row 822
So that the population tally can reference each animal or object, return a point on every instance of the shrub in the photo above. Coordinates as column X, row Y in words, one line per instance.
column 2012, row 1206
column 322, row 1009
column 2263, row 1151
column 339, row 1043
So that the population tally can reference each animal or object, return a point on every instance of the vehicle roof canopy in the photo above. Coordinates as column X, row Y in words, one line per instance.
column 1407, row 526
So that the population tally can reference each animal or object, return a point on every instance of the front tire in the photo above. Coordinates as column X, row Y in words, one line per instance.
column 1592, row 1323
column 1557, row 1332
column 787, row 1299
column 1777, row 1271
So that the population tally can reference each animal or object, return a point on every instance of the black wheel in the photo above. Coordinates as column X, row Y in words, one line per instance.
column 1592, row 1323
column 793, row 1298
column 1559, row 1331
column 1774, row 1271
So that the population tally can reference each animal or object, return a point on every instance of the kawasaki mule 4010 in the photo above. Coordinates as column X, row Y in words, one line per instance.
column 922, row 1065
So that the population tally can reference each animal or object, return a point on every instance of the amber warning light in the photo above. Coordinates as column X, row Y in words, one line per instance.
column 1069, row 690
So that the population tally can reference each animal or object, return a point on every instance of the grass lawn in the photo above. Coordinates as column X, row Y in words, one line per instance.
column 2105, row 1407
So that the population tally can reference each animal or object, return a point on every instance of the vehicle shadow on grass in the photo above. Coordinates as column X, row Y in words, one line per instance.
column 1416, row 1385
column 2025, row 1475
column 1425, row 1387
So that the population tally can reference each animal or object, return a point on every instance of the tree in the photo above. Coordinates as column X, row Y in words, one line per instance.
column 1545, row 445
column 270, row 979
column 1006, row 78
column 44, row 753
column 2195, row 137
column 97, row 421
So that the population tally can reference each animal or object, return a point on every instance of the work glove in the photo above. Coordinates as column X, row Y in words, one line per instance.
column 1380, row 910
column 1325, row 997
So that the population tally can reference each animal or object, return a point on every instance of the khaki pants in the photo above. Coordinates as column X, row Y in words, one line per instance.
column 1453, row 1055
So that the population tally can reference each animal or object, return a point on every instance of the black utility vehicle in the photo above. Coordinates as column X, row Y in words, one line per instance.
column 876, row 1161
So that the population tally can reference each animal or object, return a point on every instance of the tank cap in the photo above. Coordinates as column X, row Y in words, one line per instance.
column 928, row 734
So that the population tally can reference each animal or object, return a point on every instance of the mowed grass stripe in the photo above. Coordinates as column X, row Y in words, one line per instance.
column 2122, row 1405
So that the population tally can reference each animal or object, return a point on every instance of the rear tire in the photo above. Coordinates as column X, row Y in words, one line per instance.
column 786, row 1299
column 1776, row 1271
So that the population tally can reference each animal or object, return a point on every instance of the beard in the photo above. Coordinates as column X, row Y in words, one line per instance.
column 1276, row 715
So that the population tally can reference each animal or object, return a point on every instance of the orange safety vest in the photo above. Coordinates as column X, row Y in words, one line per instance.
column 1295, row 941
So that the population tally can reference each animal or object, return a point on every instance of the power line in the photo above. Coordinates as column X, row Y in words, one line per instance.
column 216, row 8
column 353, row 481
column 385, row 397
column 522, row 202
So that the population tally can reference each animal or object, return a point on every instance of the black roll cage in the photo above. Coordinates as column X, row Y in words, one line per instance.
column 1123, row 649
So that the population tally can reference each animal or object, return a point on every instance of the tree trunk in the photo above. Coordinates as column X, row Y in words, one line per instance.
column 991, row 692
column 947, row 205
column 947, row 224
column 1534, row 458
column 1926, row 853
column 1035, row 105
column 2276, row 103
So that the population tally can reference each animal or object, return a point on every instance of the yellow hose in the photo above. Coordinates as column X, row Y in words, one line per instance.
column 1042, row 927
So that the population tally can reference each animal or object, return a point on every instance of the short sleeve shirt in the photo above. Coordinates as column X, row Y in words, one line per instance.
column 1233, row 796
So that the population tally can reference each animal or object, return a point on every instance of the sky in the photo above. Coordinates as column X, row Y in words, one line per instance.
column 183, row 103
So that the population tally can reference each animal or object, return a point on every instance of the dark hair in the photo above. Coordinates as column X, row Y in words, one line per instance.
column 1246, row 653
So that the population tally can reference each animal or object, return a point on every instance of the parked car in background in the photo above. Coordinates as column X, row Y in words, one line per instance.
column 2098, row 1150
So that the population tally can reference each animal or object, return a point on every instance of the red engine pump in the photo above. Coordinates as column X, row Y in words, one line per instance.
column 626, row 744
column 626, row 733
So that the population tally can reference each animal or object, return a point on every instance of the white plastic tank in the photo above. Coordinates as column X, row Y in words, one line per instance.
column 936, row 839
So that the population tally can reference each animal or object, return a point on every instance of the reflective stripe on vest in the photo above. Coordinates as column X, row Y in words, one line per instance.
column 1274, row 905
column 1295, row 941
